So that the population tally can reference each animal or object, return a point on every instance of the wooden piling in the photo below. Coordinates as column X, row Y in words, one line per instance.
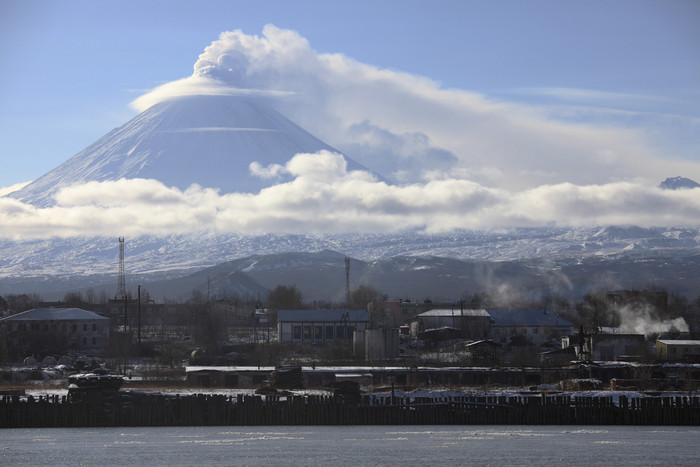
column 137, row 409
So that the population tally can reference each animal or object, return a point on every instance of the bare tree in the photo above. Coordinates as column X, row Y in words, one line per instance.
column 285, row 297
column 364, row 295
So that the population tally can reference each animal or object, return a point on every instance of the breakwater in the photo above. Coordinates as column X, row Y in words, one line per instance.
column 122, row 409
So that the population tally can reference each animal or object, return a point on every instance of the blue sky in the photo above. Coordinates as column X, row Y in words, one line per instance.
column 517, row 103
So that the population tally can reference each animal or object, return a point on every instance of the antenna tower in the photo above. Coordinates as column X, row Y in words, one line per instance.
column 121, row 284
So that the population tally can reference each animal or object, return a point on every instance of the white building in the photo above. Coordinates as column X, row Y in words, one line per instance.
column 317, row 326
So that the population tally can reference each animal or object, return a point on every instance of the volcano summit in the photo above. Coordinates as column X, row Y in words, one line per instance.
column 207, row 140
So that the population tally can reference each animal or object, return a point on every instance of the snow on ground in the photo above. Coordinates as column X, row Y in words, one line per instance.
column 432, row 393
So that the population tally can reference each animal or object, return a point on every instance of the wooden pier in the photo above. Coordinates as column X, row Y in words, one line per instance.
column 122, row 409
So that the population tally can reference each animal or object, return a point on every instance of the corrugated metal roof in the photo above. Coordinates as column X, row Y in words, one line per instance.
column 321, row 316
column 454, row 312
column 54, row 314
column 527, row 318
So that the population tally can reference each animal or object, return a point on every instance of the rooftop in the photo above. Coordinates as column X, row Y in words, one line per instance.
column 527, row 318
column 54, row 314
column 679, row 341
column 454, row 312
column 322, row 316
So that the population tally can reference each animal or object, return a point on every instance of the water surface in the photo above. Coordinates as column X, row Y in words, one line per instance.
column 354, row 445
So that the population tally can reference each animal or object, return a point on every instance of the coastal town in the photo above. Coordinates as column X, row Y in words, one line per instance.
column 480, row 362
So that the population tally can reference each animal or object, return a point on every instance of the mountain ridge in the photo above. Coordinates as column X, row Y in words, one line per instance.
column 539, row 261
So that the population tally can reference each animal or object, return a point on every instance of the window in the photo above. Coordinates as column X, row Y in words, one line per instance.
column 307, row 333
column 94, row 327
column 75, row 327
column 94, row 341
column 329, row 332
column 318, row 333
column 536, row 331
column 84, row 326
column 296, row 332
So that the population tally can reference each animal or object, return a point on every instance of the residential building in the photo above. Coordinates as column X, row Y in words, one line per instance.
column 527, row 326
column 678, row 350
column 78, row 329
column 319, row 326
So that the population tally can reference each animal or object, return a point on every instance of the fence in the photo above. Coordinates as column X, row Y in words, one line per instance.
column 143, row 409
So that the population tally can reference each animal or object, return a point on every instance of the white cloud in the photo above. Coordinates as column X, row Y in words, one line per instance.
column 267, row 172
column 465, row 161
column 324, row 197
column 377, row 116
column 17, row 186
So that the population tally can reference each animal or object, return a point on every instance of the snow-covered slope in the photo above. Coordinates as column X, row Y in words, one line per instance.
column 153, row 254
column 208, row 140
column 529, row 264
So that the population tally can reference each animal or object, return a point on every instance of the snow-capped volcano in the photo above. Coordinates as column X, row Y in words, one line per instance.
column 207, row 140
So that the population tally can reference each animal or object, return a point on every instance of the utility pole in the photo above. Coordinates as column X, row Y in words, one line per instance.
column 344, row 321
column 139, row 332
column 347, row 283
